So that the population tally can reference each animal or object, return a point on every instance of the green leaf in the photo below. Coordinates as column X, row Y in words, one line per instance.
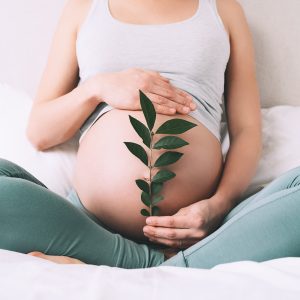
column 141, row 130
column 167, row 158
column 155, row 210
column 156, row 187
column 157, row 199
column 145, row 212
column 148, row 110
column 145, row 197
column 170, row 142
column 175, row 126
column 138, row 151
column 162, row 176
column 143, row 185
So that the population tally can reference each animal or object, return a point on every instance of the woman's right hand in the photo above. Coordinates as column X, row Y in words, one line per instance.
column 120, row 90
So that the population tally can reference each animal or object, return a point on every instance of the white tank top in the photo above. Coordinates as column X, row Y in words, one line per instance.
column 192, row 53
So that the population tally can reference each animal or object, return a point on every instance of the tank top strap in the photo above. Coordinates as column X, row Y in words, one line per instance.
column 97, row 8
column 212, row 4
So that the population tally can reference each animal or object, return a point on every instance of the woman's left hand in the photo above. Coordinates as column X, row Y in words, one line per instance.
column 185, row 228
column 56, row 258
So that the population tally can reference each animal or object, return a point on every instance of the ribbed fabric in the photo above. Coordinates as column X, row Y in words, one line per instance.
column 192, row 53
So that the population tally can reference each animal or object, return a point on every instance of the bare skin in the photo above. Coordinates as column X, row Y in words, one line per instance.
column 191, row 213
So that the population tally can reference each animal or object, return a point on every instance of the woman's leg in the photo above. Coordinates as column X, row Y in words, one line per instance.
column 264, row 226
column 33, row 218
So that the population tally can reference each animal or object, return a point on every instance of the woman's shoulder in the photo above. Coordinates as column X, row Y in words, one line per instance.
column 75, row 11
column 231, row 13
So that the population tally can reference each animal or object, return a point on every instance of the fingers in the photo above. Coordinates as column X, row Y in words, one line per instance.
column 178, row 244
column 157, row 74
column 160, row 108
column 171, row 92
column 165, row 106
column 167, row 233
column 172, row 97
column 169, row 95
column 179, row 221
column 172, row 233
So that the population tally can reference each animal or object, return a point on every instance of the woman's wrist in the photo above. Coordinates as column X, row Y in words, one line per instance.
column 221, row 205
column 92, row 89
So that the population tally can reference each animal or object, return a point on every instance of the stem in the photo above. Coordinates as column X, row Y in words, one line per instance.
column 150, row 168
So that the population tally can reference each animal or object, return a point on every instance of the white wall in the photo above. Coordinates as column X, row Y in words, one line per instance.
column 26, row 28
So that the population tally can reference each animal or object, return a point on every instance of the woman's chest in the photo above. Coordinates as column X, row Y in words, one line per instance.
column 178, row 50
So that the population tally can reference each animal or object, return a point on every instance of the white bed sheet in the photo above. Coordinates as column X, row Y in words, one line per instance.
column 26, row 277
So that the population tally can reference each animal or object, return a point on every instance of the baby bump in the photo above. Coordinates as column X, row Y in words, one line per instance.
column 106, row 171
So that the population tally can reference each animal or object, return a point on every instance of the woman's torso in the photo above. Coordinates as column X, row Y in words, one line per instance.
column 192, row 53
column 194, row 58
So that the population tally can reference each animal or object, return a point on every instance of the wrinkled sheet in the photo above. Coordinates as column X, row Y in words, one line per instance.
column 25, row 277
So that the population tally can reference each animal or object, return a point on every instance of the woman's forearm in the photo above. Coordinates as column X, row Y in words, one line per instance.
column 240, row 166
column 53, row 122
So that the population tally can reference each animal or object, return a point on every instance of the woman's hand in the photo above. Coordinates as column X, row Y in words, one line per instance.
column 185, row 228
column 56, row 258
column 120, row 90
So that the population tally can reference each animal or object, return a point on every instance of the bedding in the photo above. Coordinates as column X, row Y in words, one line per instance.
column 26, row 277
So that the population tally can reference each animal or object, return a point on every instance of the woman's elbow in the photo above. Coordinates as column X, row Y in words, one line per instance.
column 35, row 139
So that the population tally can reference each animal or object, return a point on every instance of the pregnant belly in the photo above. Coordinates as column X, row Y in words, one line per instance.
column 106, row 171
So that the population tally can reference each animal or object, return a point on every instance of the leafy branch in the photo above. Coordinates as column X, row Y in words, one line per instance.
column 150, row 191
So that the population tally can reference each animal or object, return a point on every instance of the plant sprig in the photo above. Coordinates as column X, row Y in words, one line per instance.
column 150, row 191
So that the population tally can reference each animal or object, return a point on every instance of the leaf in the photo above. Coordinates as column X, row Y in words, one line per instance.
column 155, row 210
column 145, row 212
column 141, row 130
column 157, row 199
column 175, row 126
column 148, row 110
column 156, row 187
column 163, row 175
column 170, row 142
column 145, row 197
column 138, row 151
column 143, row 185
column 167, row 158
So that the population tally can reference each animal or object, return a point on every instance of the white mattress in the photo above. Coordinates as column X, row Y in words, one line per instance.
column 26, row 277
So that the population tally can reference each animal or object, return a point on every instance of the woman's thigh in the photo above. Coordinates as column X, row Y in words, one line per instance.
column 285, row 181
column 33, row 218
column 267, row 227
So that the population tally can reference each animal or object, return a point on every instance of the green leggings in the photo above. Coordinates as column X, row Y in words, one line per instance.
column 32, row 218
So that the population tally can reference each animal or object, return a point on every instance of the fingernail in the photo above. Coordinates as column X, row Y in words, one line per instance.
column 186, row 109
column 148, row 221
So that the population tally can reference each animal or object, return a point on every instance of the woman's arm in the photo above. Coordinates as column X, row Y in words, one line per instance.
column 242, row 110
column 59, row 107
column 193, row 223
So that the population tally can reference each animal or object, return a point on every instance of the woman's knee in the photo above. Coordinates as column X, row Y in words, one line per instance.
column 11, row 169
column 7, row 168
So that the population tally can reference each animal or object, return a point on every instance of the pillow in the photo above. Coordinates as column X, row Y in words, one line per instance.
column 281, row 145
column 54, row 167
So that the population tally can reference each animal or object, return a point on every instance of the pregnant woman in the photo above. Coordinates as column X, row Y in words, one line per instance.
column 179, row 54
